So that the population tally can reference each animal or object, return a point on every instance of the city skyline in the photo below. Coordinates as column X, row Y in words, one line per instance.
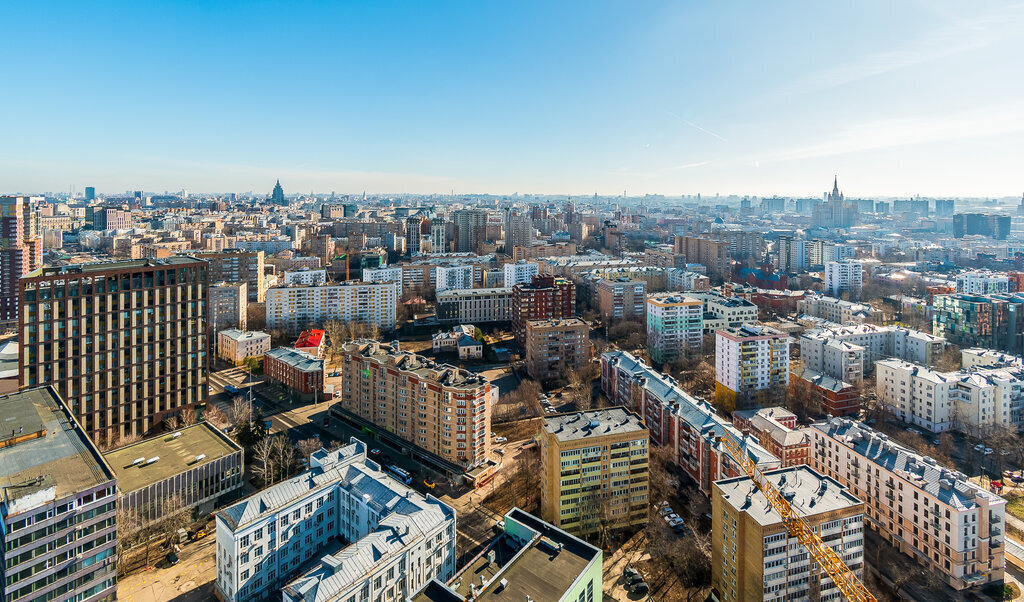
column 746, row 99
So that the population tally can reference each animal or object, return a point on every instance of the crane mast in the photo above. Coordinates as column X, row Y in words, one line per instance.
column 827, row 558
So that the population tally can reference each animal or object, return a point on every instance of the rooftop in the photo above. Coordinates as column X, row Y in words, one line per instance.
column 469, row 292
column 105, row 266
column 300, row 360
column 595, row 423
column 751, row 331
column 238, row 335
column 43, row 446
column 176, row 454
column 310, row 338
column 556, row 323
column 424, row 367
column 808, row 492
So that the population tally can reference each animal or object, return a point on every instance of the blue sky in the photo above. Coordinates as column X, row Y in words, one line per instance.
column 897, row 98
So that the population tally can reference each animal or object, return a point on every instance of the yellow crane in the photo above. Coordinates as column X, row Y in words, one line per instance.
column 825, row 556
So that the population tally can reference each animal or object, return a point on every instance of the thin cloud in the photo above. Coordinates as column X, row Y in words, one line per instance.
column 695, row 126
column 691, row 165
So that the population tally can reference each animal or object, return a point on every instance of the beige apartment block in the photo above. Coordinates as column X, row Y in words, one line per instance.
column 234, row 345
column 556, row 347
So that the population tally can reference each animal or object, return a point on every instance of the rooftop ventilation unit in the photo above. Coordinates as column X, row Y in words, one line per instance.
column 138, row 461
column 152, row 460
column 176, row 435
column 200, row 457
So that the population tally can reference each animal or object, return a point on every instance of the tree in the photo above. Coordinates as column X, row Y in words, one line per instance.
column 306, row 447
column 949, row 359
column 241, row 411
column 215, row 416
column 256, row 316
column 188, row 417
column 251, row 431
column 263, row 455
column 335, row 331
column 172, row 422
column 284, row 455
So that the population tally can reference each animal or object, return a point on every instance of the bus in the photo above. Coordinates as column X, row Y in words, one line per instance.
column 399, row 473
column 232, row 389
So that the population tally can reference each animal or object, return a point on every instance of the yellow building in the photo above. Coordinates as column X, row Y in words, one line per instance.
column 751, row 361
column 594, row 470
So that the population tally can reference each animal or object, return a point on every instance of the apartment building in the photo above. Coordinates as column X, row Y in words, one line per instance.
column 712, row 254
column 675, row 325
column 742, row 243
column 689, row 427
column 824, row 349
column 834, row 396
column 990, row 321
column 520, row 272
column 298, row 371
column 456, row 277
column 235, row 346
column 123, row 343
column 753, row 554
column 982, row 282
column 970, row 400
column 594, row 470
column 725, row 312
column 930, row 513
column 475, row 306
column 304, row 276
column 569, row 266
column 390, row 274
column 235, row 265
column 508, row 567
column 228, row 302
column 621, row 299
column 536, row 251
column 21, row 250
column 846, row 276
column 791, row 255
column 58, row 506
column 443, row 410
column 197, row 466
column 518, row 230
column 834, row 310
column 295, row 308
column 750, row 361
column 775, row 428
column 400, row 540
column 544, row 298
column 556, row 347
column 680, row 279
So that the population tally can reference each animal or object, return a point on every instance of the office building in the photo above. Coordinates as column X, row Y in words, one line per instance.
column 621, row 298
column 195, row 466
column 456, row 277
column 556, row 347
column 228, row 303
column 529, row 560
column 234, row 265
column 474, row 305
column 594, row 470
column 389, row 274
column 235, row 346
column 123, row 343
column 299, row 372
column 982, row 282
column 277, row 196
column 21, row 251
column 112, row 218
column 845, row 276
column 518, row 231
column 59, row 504
column 295, row 308
column 470, row 229
column 675, row 325
column 443, row 410
column 981, row 224
column 90, row 193
column 990, row 321
column 750, row 362
column 932, row 514
column 753, row 554
column 835, row 212
column 689, row 427
column 775, row 428
column 544, row 298
column 400, row 539
column 520, row 272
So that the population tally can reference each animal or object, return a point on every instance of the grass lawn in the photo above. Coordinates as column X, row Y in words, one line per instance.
column 1015, row 506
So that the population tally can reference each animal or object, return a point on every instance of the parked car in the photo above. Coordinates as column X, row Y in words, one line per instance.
column 988, row 450
column 375, row 452
column 335, row 373
column 665, row 510
column 501, row 452
column 640, row 589
column 501, row 440
column 430, row 484
column 979, row 447
column 676, row 522
column 172, row 559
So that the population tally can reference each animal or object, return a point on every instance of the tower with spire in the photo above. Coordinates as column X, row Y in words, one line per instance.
column 835, row 195
column 277, row 197
column 834, row 212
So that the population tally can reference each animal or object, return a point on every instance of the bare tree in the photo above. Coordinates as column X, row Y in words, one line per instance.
column 284, row 454
column 240, row 411
column 172, row 423
column 215, row 416
column 263, row 454
column 306, row 447
column 188, row 417
column 256, row 316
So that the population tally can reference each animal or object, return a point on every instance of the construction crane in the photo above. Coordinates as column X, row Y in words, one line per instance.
column 825, row 556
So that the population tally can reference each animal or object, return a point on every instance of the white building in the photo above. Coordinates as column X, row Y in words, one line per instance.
column 455, row 277
column 681, row 280
column 295, row 308
column 846, row 276
column 401, row 539
column 675, row 324
column 390, row 274
column 725, row 312
column 750, row 360
column 791, row 254
column 520, row 272
column 305, row 277
column 928, row 512
column 448, row 342
column 475, row 305
column 235, row 345
column 834, row 310
column 982, row 282
column 877, row 342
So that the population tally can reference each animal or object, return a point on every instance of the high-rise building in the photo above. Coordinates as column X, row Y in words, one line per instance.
column 474, row 306
column 594, row 470
column 792, row 255
column 945, row 207
column 443, row 410
column 981, row 224
column 991, row 321
column 470, row 229
column 846, row 276
column 750, row 361
column 124, row 343
column 835, row 212
column 932, row 514
column 544, row 298
column 295, row 308
column 412, row 234
column 556, row 347
column 233, row 265
column 21, row 251
column 620, row 298
column 277, row 196
column 438, row 236
column 518, row 231
column 400, row 539
column 454, row 277
column 982, row 282
column 713, row 254
column 753, row 554
column 520, row 272
column 228, row 302
column 90, row 193
column 58, row 505
column 675, row 325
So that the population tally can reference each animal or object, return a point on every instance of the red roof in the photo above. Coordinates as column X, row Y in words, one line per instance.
column 309, row 338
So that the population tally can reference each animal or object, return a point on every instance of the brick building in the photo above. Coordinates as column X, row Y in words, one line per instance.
column 544, row 298
column 296, row 370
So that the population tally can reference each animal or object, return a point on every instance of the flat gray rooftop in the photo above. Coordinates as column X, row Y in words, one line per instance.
column 595, row 423
column 808, row 492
